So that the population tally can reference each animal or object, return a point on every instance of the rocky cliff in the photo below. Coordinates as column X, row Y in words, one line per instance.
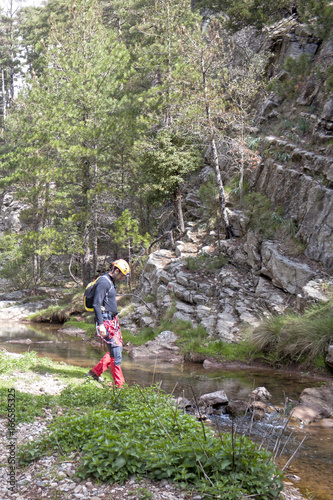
column 294, row 169
column 296, row 129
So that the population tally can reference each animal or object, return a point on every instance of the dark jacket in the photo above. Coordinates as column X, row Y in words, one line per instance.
column 105, row 296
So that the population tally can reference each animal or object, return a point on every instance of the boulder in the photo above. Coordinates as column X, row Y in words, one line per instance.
column 314, row 404
column 214, row 399
column 260, row 394
column 260, row 406
column 285, row 273
column 237, row 408
column 162, row 347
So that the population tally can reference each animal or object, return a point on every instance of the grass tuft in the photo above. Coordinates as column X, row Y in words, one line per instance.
column 297, row 338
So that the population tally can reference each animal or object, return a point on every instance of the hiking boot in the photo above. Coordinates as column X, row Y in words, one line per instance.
column 93, row 375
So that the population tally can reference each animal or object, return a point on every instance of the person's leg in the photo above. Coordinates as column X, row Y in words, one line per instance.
column 117, row 374
column 103, row 364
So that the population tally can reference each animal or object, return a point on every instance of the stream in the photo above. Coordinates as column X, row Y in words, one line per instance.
column 312, row 468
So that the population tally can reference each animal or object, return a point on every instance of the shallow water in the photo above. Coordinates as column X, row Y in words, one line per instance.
column 313, row 463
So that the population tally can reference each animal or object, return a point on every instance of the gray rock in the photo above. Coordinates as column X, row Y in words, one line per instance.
column 327, row 113
column 315, row 403
column 329, row 356
column 289, row 275
column 305, row 200
column 226, row 327
column 260, row 394
column 214, row 399
column 237, row 408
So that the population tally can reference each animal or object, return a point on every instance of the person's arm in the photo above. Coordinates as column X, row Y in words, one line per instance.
column 101, row 290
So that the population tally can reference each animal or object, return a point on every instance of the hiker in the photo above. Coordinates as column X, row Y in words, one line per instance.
column 107, row 324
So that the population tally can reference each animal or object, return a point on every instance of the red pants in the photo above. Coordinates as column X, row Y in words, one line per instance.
column 116, row 371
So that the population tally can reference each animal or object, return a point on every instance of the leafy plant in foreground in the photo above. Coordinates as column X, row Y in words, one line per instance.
column 141, row 433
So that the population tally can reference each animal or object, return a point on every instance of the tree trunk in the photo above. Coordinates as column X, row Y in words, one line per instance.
column 86, row 265
column 4, row 104
column 86, row 268
column 95, row 218
column 224, row 214
column 179, row 210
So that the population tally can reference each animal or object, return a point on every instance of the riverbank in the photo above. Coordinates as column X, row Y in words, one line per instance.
column 52, row 476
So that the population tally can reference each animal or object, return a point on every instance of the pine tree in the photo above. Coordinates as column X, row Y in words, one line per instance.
column 166, row 161
column 79, row 109
column 9, row 56
column 158, row 35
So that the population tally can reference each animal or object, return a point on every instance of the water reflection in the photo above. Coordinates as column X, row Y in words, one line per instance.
column 312, row 463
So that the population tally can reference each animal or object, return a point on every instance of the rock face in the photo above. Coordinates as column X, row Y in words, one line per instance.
column 296, row 171
column 10, row 211
column 305, row 199
column 256, row 278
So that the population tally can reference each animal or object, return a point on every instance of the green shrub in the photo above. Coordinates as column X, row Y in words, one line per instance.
column 318, row 14
column 142, row 433
column 260, row 215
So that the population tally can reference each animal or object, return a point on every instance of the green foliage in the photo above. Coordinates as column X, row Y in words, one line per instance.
column 318, row 14
column 23, row 362
column 142, row 433
column 84, row 396
column 253, row 143
column 126, row 234
column 29, row 361
column 88, row 324
column 61, row 169
column 24, row 261
column 233, row 188
column 140, row 338
column 298, row 338
column 284, row 157
column 27, row 406
column 303, row 125
column 260, row 216
column 166, row 159
column 242, row 351
column 209, row 196
column 206, row 263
